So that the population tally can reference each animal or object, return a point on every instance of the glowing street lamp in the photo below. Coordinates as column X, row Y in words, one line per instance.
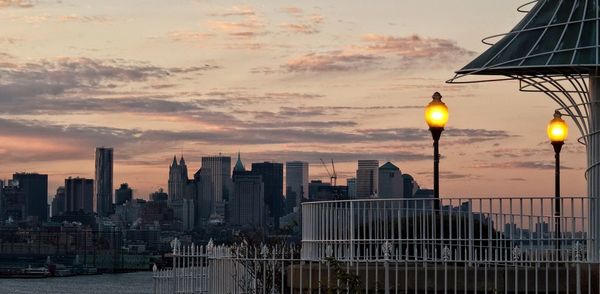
column 557, row 133
column 436, row 116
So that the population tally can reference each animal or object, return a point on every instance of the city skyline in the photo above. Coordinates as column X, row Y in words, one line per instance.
column 279, row 81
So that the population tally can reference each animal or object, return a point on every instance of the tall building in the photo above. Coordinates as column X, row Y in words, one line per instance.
column 296, row 178
column 35, row 190
column 272, row 177
column 410, row 186
column 239, row 166
column 59, row 202
column 391, row 183
column 217, row 173
column 204, row 200
column 12, row 202
column 180, row 198
column 178, row 177
column 247, row 206
column 104, row 181
column 351, row 183
column 1, row 197
column 123, row 194
column 367, row 178
column 79, row 195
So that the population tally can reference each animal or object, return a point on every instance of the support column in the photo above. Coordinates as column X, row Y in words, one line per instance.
column 593, row 172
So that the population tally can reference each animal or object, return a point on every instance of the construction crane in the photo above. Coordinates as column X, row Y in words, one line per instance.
column 332, row 176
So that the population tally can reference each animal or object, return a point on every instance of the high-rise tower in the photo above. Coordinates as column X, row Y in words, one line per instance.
column 367, row 178
column 178, row 178
column 272, row 177
column 104, row 181
column 296, row 179
column 217, row 173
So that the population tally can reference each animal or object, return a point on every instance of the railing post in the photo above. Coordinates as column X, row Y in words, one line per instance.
column 471, row 232
column 352, row 230
column 387, row 249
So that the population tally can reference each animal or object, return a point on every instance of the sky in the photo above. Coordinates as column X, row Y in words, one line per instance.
column 274, row 80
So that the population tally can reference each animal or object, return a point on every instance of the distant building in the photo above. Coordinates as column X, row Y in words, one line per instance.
column 59, row 202
column 181, row 194
column 12, row 202
column 409, row 186
column 247, row 205
column 296, row 178
column 351, row 183
column 216, row 172
column 129, row 213
column 35, row 190
column 391, row 183
column 178, row 177
column 272, row 177
column 104, row 181
column 424, row 199
column 320, row 191
column 291, row 201
column 79, row 195
column 188, row 215
column 1, row 197
column 314, row 187
column 204, row 199
column 367, row 178
column 159, row 196
column 123, row 194
column 157, row 214
column 239, row 166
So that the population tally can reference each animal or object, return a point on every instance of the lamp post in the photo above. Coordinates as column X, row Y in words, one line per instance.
column 436, row 116
column 557, row 133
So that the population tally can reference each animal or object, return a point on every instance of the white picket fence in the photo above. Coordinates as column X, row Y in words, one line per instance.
column 404, row 246
column 244, row 269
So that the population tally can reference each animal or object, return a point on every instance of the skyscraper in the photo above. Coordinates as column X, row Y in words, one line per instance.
column 79, row 195
column 35, row 189
column 123, row 194
column 391, row 182
column 367, row 178
column 246, row 207
column 204, row 200
column 410, row 186
column 272, row 177
column 216, row 170
column 104, row 181
column 13, row 202
column 296, row 175
column 178, row 177
column 351, row 183
column 58, row 202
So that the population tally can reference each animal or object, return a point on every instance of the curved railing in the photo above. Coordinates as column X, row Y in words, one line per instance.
column 466, row 229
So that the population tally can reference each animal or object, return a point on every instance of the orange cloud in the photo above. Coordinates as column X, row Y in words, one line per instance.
column 240, row 10
column 16, row 3
column 330, row 61
column 249, row 27
column 415, row 46
column 188, row 36
column 303, row 28
column 405, row 52
column 293, row 10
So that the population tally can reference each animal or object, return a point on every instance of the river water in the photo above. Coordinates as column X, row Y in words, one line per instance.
column 129, row 283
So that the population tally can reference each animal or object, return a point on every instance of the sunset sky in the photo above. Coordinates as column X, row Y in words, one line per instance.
column 275, row 80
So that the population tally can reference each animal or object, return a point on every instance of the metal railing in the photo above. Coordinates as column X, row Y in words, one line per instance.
column 475, row 245
column 245, row 269
column 356, row 229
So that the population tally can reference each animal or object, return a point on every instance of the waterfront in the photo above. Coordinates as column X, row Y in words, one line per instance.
column 130, row 283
